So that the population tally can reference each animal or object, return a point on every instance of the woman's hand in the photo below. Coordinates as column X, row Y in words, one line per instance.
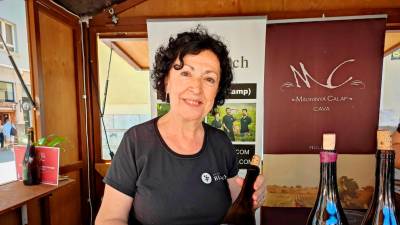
column 396, row 147
column 260, row 186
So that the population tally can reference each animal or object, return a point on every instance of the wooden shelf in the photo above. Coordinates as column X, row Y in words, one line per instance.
column 14, row 195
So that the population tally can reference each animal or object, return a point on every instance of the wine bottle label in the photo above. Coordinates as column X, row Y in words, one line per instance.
column 327, row 157
column 328, row 141
column 24, row 173
column 332, row 211
column 388, row 216
column 384, row 140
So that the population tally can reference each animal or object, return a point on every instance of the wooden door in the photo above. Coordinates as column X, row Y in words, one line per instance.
column 58, row 88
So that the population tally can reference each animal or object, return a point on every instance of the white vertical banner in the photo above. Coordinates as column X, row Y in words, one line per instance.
column 245, row 39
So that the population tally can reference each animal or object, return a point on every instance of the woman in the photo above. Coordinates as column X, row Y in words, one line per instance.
column 176, row 169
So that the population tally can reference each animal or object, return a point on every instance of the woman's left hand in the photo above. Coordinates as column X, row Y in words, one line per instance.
column 260, row 186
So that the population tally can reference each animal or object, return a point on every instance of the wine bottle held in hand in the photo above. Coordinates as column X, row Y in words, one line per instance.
column 382, row 209
column 327, row 209
column 241, row 212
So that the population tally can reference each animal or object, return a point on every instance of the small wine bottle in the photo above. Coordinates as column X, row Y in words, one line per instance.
column 382, row 209
column 327, row 209
column 30, row 163
column 241, row 212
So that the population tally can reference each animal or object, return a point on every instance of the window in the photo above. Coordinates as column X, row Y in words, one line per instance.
column 6, row 92
column 7, row 30
column 123, row 109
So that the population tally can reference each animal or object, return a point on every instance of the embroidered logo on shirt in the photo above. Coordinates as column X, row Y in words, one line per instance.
column 206, row 178
column 218, row 177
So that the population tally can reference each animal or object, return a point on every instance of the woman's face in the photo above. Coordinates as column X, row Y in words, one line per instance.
column 193, row 88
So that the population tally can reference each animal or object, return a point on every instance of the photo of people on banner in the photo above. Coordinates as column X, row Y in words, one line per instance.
column 237, row 120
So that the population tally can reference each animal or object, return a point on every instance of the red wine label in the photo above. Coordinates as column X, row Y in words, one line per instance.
column 327, row 157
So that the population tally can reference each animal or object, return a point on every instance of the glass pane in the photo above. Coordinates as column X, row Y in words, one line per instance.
column 389, row 112
column 6, row 92
column 12, row 112
column 128, row 95
column 9, row 35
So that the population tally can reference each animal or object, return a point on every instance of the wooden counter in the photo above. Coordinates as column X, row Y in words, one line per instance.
column 16, row 195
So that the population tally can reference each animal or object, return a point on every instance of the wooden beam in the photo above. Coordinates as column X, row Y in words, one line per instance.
column 392, row 49
column 118, row 8
column 56, row 11
column 72, row 167
column 123, row 35
column 35, row 62
column 273, row 9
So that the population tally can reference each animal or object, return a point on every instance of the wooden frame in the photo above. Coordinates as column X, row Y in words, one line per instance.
column 135, row 27
column 113, row 43
column 49, row 8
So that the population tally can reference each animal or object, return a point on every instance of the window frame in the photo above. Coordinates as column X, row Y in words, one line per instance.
column 11, row 47
column 13, row 91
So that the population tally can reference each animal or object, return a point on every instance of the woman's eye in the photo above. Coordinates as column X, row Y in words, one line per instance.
column 185, row 73
column 210, row 80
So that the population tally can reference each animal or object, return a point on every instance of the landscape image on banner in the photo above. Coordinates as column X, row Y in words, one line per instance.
column 293, row 179
column 237, row 120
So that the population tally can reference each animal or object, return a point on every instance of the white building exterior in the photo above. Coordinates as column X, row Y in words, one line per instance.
column 13, row 28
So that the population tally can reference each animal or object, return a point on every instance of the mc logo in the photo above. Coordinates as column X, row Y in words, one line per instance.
column 306, row 78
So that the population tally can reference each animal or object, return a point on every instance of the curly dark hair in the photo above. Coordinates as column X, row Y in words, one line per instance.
column 192, row 42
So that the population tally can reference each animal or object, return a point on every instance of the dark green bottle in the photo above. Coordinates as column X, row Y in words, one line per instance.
column 31, row 174
column 327, row 209
column 382, row 209
column 241, row 212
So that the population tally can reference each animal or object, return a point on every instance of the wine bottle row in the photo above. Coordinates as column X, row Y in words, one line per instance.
column 327, row 209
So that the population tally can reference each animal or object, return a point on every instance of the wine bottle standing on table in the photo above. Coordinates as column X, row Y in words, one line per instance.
column 30, row 165
column 382, row 209
column 327, row 209
column 241, row 212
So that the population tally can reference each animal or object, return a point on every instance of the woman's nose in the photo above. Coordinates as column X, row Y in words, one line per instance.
column 195, row 85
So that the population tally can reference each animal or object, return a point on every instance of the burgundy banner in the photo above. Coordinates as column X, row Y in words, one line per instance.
column 323, row 77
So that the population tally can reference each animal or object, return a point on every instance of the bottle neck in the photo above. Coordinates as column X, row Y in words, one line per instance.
column 328, row 172
column 31, row 137
column 28, row 151
column 384, row 177
column 247, row 190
